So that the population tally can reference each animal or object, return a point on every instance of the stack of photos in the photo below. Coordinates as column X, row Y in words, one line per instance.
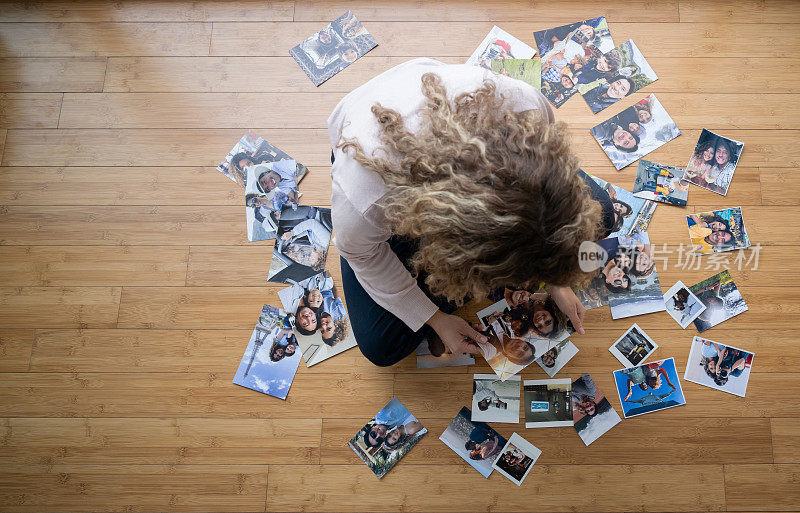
column 662, row 183
column 271, row 358
column 333, row 48
column 547, row 402
column 633, row 347
column 301, row 244
column 632, row 214
column 635, row 132
column 499, row 44
column 387, row 437
column 717, row 231
column 592, row 414
column 719, row 366
column 566, row 50
column 494, row 400
column 476, row 442
column 269, row 186
column 554, row 359
column 517, row 459
column 252, row 150
column 649, row 387
column 527, row 70
column 319, row 318
column 721, row 298
column 682, row 305
column 614, row 75
column 713, row 162
column 439, row 356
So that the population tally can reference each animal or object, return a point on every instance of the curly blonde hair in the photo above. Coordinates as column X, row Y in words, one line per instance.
column 492, row 195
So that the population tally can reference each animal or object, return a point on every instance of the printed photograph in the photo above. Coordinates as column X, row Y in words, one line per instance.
column 499, row 44
column 682, row 305
column 662, row 183
column 529, row 314
column 592, row 414
column 271, row 358
column 631, row 213
column 633, row 347
column 717, row 231
column 649, row 387
column 566, row 50
column 635, row 132
column 517, row 459
column 721, row 298
column 387, row 437
column 301, row 243
column 476, row 442
column 609, row 77
column 593, row 294
column 547, row 402
column 319, row 318
column 251, row 150
column 713, row 162
column 554, row 359
column 333, row 48
column 527, row 70
column 718, row 366
column 506, row 355
column 269, row 186
column 435, row 355
column 494, row 400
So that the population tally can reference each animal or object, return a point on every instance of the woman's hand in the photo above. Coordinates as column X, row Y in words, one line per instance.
column 456, row 333
column 568, row 302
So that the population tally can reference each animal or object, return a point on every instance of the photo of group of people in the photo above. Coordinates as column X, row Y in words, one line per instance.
column 547, row 402
column 633, row 347
column 269, row 186
column 632, row 214
column 426, row 359
column 333, row 48
column 476, row 442
column 387, row 437
column 635, row 132
column 682, row 305
column 301, row 243
column 516, row 459
column 721, row 298
column 662, row 183
column 630, row 277
column 494, row 400
column 527, row 70
column 713, row 162
column 592, row 414
column 499, row 44
column 271, row 358
column 614, row 75
column 717, row 231
column 718, row 366
column 649, row 387
column 250, row 151
column 554, row 359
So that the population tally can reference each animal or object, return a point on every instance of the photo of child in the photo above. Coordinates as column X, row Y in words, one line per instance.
column 527, row 70
column 494, row 400
column 499, row 44
column 476, row 442
column 301, row 244
column 268, row 187
column 721, row 298
column 682, row 305
column 251, row 150
column 718, row 366
column 717, row 231
column 592, row 414
column 547, row 402
column 609, row 77
column 662, row 183
column 649, row 387
column 633, row 347
column 713, row 162
column 517, row 459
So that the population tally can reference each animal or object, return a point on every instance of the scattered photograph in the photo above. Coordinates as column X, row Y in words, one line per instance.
column 635, row 132
column 436, row 355
column 649, row 387
column 682, row 305
column 713, row 162
column 554, row 359
column 607, row 78
column 547, row 402
column 517, row 459
column 506, row 355
column 527, row 70
column 662, row 183
column 593, row 294
column 632, row 214
column 499, row 44
column 717, row 231
column 566, row 50
column 476, row 442
column 721, row 298
column 333, row 48
column 387, row 437
column 633, row 347
column 319, row 318
column 718, row 366
column 592, row 414
column 494, row 400
column 250, row 151
column 271, row 358
column 301, row 243
column 269, row 186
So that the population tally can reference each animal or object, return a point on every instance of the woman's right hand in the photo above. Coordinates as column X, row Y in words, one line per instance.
column 456, row 333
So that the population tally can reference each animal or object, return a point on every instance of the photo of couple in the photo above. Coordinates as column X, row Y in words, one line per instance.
column 250, row 151
column 721, row 298
column 268, row 187
column 592, row 414
column 719, row 366
column 649, row 387
column 682, row 305
column 301, row 243
column 717, row 231
column 662, row 183
column 517, row 459
column 614, row 75
column 476, row 442
column 555, row 358
column 632, row 214
column 499, row 44
column 713, row 162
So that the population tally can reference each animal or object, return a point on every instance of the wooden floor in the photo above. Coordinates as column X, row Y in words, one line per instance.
column 128, row 290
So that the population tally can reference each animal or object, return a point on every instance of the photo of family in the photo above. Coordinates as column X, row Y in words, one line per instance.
column 527, row 70
column 614, row 75
column 718, row 366
column 499, row 44
column 662, row 183
column 387, row 437
column 494, row 400
column 635, row 132
column 713, row 162
column 649, row 387
column 717, row 231
column 319, row 318
column 476, row 442
column 333, row 48
column 630, row 276
column 301, row 243
column 251, row 150
column 633, row 347
column 547, row 402
column 268, row 187
column 271, row 358
column 592, row 414
column 427, row 360
column 566, row 50
column 682, row 305
column 721, row 298
column 517, row 459
column 554, row 359
column 632, row 214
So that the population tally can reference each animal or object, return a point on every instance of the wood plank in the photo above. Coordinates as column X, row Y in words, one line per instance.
column 723, row 11
column 83, row 74
column 174, row 488
column 762, row 487
column 779, row 186
column 59, row 307
column 3, row 133
column 29, row 110
column 15, row 350
column 785, row 440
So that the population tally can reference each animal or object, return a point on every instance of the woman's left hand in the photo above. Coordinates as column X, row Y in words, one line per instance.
column 568, row 302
